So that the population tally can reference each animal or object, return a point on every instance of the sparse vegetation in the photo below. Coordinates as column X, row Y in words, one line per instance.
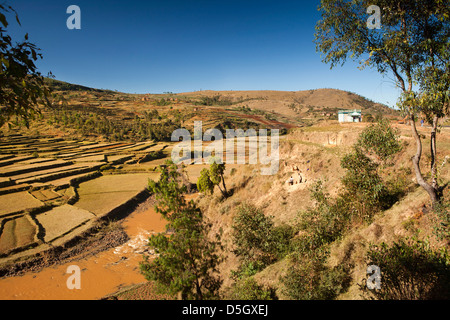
column 257, row 242
column 410, row 270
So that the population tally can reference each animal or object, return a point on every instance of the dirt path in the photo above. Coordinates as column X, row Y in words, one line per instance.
column 101, row 274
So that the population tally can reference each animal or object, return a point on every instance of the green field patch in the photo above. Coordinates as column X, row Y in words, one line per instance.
column 17, row 202
column 61, row 220
column 16, row 233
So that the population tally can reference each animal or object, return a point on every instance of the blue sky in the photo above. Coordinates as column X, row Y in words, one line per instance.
column 180, row 46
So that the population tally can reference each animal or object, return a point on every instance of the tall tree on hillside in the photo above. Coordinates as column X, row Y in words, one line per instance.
column 434, row 97
column 187, row 257
column 212, row 177
column 413, row 34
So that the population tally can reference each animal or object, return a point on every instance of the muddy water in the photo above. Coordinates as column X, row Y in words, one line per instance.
column 101, row 275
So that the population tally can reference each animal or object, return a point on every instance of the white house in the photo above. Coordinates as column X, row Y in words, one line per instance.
column 349, row 116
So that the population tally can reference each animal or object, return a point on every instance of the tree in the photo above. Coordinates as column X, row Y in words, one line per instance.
column 434, row 98
column 380, row 139
column 216, row 172
column 257, row 241
column 209, row 178
column 204, row 183
column 253, row 236
column 413, row 34
column 22, row 87
column 187, row 258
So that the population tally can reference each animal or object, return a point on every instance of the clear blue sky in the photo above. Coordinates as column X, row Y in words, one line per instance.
column 179, row 46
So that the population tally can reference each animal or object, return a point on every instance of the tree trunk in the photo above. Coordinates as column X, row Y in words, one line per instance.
column 434, row 183
column 224, row 187
column 416, row 164
column 223, row 192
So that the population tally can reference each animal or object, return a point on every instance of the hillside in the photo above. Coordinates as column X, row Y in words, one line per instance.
column 313, row 105
column 92, row 155
column 317, row 152
column 119, row 116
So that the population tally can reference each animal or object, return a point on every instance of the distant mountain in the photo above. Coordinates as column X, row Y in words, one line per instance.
column 300, row 104
column 291, row 108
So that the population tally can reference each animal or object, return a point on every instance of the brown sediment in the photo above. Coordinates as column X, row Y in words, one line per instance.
column 108, row 259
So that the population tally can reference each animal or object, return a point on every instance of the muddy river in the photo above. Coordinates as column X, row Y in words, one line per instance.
column 100, row 275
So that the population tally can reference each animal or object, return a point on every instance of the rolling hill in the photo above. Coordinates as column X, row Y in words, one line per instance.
column 122, row 113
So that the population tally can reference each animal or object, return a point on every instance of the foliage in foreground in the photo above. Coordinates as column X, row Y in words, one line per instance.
column 22, row 87
column 363, row 194
column 248, row 289
column 186, row 258
column 410, row 270
column 257, row 241
column 310, row 278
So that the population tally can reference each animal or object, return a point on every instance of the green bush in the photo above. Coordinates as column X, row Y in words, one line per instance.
column 256, row 239
column 323, row 223
column 441, row 217
column 249, row 289
column 380, row 139
column 410, row 270
column 310, row 279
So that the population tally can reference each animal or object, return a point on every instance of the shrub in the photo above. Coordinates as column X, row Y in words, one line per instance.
column 442, row 221
column 323, row 223
column 256, row 239
column 363, row 186
column 249, row 289
column 410, row 270
column 310, row 279
column 380, row 139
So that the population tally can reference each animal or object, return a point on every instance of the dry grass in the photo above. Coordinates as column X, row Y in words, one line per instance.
column 310, row 151
column 61, row 220
column 103, row 194
column 16, row 233
column 16, row 202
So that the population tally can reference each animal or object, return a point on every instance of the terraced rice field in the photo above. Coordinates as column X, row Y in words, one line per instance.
column 51, row 188
column 61, row 220
column 105, row 193
column 18, row 202
column 55, row 196
column 17, row 233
